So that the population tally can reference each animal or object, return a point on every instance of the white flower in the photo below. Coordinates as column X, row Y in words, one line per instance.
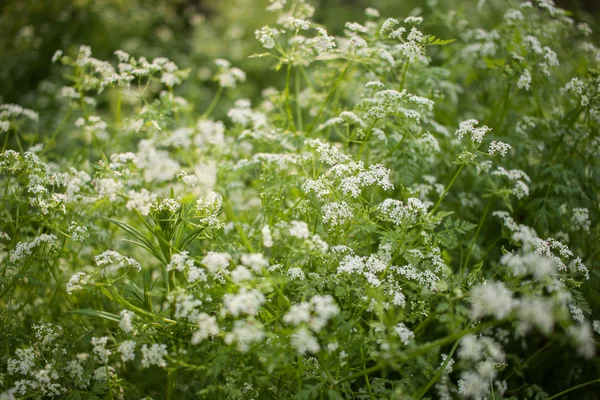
column 245, row 302
column 216, row 262
column 207, row 327
column 499, row 147
column 299, row 229
column 125, row 323
column 305, row 342
column 296, row 274
column 583, row 338
column 100, row 350
column 256, row 261
column 127, row 350
column 154, row 355
column 266, row 236
column 405, row 334
column 469, row 127
column 580, row 219
column 491, row 298
column 244, row 334
column 336, row 213
column 524, row 80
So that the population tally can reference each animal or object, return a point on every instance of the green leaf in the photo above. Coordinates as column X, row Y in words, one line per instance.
column 435, row 41
column 190, row 237
column 143, row 241
column 98, row 314
column 493, row 63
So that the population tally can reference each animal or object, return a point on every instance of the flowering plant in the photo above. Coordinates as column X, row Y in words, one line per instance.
column 405, row 217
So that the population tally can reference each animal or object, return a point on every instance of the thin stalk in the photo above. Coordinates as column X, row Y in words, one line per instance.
column 288, row 107
column 437, row 204
column 213, row 103
column 331, row 92
column 423, row 349
column 438, row 374
column 367, row 375
column 5, row 141
column 573, row 388
column 297, row 93
column 118, row 110
column 171, row 379
column 487, row 207
column 404, row 74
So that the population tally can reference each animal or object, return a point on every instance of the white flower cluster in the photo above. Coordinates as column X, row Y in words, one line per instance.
column 244, row 334
column 400, row 213
column 469, row 127
column 24, row 249
column 336, row 214
column 100, row 351
column 491, row 299
column 316, row 312
column 207, row 327
column 299, row 229
column 352, row 176
column 111, row 258
column 369, row 267
column 227, row 76
column 13, row 111
column 154, row 355
column 217, row 264
column 499, row 148
column 485, row 353
column 246, row 301
column 209, row 208
column 519, row 179
column 405, row 334
column 580, row 221
column 78, row 233
column 141, row 201
column 242, row 114
column 126, row 321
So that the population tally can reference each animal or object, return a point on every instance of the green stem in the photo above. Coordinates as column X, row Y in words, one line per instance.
column 438, row 375
column 404, row 74
column 573, row 388
column 297, row 92
column 435, row 207
column 331, row 92
column 213, row 103
column 288, row 107
column 6, row 141
column 118, row 109
column 171, row 379
column 487, row 207
column 423, row 349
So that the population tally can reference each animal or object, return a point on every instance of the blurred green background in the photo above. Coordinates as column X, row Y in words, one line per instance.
column 190, row 32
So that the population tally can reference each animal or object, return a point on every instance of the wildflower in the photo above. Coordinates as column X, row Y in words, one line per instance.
column 469, row 127
column 244, row 302
column 266, row 236
column 405, row 334
column 583, row 339
column 299, row 229
column 154, row 355
column 244, row 334
column 127, row 350
column 100, row 350
column 305, row 342
column 580, row 219
column 207, row 327
column 112, row 258
column 491, row 298
column 336, row 213
column 499, row 147
column 125, row 323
